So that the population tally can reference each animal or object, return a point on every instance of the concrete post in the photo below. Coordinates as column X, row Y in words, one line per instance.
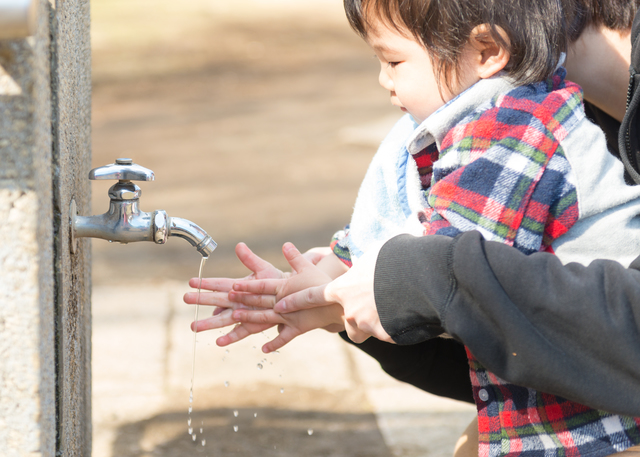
column 44, row 291
column 71, row 127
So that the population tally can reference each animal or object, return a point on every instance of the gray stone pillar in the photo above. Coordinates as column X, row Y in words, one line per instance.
column 71, row 87
column 45, row 91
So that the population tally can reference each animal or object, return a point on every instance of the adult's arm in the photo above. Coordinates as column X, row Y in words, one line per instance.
column 571, row 330
column 438, row 366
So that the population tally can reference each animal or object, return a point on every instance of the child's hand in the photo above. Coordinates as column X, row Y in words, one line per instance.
column 219, row 289
column 218, row 296
column 291, row 325
column 264, row 293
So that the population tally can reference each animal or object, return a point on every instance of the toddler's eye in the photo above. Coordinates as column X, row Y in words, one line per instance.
column 393, row 64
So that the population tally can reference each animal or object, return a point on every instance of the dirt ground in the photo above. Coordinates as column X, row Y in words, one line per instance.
column 259, row 118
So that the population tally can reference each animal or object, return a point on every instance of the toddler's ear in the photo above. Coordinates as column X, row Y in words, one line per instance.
column 491, row 54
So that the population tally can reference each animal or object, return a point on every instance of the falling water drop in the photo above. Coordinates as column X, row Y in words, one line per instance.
column 190, row 409
column 255, row 414
column 235, row 413
column 204, row 442
column 189, row 422
column 235, row 428
column 193, row 437
column 200, row 429
column 310, row 431
column 190, row 430
column 226, row 383
column 281, row 391
column 260, row 366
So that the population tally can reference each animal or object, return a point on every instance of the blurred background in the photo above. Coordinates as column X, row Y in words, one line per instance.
column 259, row 118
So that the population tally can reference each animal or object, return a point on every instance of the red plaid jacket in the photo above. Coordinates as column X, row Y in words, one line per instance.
column 502, row 171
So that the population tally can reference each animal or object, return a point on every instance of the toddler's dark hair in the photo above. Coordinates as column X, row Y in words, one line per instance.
column 536, row 30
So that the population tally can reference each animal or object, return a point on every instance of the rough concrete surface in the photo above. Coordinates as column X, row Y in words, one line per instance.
column 71, row 83
column 27, row 371
column 259, row 119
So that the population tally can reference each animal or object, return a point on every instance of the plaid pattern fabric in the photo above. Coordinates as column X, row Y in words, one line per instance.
column 516, row 421
column 503, row 172
column 340, row 246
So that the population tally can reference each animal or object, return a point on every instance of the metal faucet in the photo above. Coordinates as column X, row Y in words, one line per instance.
column 124, row 222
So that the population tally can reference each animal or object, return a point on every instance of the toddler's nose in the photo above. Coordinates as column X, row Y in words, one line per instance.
column 385, row 81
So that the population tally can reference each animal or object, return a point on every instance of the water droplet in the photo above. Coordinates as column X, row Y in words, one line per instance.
column 235, row 413
column 204, row 442
column 191, row 397
column 281, row 391
column 200, row 430
column 227, row 351
column 190, row 409
column 310, row 431
column 190, row 430
column 254, row 347
column 193, row 437
column 235, row 428
column 189, row 422
column 255, row 414
column 260, row 366
column 226, row 383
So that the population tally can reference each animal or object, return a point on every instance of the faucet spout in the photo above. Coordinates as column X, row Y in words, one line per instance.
column 125, row 222
column 197, row 237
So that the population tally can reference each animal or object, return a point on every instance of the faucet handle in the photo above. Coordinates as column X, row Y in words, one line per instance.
column 123, row 170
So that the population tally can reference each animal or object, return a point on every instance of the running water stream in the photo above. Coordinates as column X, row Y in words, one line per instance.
column 193, row 363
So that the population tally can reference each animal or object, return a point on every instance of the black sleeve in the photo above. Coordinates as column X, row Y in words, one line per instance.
column 438, row 366
column 571, row 330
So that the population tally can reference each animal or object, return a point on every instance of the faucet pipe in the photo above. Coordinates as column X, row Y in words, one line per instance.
column 126, row 224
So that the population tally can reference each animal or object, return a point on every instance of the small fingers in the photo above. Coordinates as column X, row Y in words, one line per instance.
column 238, row 333
column 266, row 316
column 305, row 299
column 285, row 335
column 259, row 266
column 208, row 299
column 215, row 284
column 259, row 286
column 222, row 319
column 259, row 301
column 297, row 261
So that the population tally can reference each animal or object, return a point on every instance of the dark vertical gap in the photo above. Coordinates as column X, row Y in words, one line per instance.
column 57, row 225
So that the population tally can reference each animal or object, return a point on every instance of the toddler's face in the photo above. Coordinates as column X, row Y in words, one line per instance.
column 407, row 73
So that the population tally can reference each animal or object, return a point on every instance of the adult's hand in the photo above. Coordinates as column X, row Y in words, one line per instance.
column 354, row 292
